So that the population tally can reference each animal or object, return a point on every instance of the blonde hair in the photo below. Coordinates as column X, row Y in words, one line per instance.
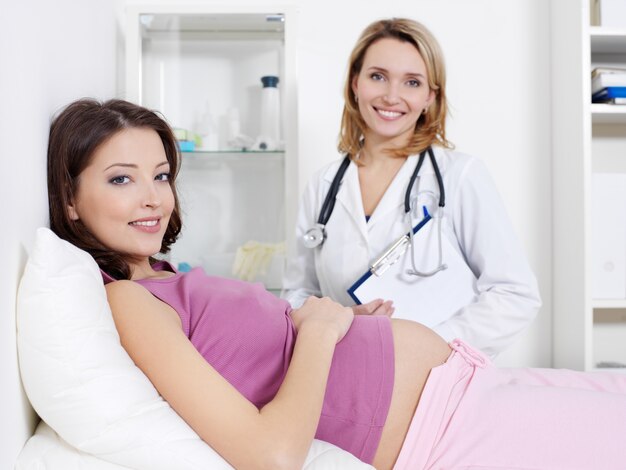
column 431, row 126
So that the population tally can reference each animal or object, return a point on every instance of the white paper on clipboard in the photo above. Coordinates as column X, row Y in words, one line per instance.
column 428, row 300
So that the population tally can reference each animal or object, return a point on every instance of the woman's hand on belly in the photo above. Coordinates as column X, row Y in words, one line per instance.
column 323, row 313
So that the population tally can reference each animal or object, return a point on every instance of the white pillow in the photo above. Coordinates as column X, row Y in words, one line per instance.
column 85, row 387
column 45, row 450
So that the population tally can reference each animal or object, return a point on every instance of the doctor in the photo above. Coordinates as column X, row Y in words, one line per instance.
column 350, row 214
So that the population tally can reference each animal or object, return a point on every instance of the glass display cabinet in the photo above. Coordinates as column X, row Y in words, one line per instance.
column 225, row 81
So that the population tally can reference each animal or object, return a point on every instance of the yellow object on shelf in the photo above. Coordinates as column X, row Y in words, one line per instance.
column 253, row 258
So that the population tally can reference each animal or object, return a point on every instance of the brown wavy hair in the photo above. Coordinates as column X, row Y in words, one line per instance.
column 75, row 134
column 431, row 126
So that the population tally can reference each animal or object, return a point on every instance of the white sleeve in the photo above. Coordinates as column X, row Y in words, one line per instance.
column 508, row 295
column 300, row 278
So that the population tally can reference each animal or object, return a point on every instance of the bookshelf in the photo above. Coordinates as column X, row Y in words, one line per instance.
column 587, row 138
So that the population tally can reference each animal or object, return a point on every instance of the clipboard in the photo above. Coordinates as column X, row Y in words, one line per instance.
column 428, row 300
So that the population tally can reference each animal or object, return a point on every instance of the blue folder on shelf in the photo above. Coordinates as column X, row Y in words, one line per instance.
column 609, row 93
column 428, row 300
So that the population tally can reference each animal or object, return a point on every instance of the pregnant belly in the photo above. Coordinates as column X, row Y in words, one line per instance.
column 417, row 350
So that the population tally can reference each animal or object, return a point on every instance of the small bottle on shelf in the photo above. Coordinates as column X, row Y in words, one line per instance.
column 269, row 138
column 207, row 130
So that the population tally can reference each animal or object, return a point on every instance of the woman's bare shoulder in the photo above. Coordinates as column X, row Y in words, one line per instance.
column 127, row 291
column 124, row 287
column 132, row 304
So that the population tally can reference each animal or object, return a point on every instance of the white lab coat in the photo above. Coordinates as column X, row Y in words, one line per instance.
column 474, row 221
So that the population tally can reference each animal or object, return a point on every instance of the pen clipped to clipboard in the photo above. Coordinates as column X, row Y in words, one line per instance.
column 427, row 299
column 395, row 252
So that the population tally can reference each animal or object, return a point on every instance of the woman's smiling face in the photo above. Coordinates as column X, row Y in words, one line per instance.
column 124, row 197
column 392, row 90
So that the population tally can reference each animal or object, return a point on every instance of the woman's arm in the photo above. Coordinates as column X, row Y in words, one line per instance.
column 276, row 436
column 508, row 295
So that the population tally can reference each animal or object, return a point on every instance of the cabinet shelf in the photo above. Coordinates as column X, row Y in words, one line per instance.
column 608, row 113
column 609, row 303
column 201, row 64
column 607, row 40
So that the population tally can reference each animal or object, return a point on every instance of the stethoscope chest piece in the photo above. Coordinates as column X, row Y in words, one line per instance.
column 315, row 236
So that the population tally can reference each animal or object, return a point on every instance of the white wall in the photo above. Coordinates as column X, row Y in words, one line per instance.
column 50, row 54
column 497, row 54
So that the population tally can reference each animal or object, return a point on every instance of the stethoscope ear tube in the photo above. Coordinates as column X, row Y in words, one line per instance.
column 442, row 192
column 316, row 235
column 407, row 194
column 331, row 197
column 442, row 189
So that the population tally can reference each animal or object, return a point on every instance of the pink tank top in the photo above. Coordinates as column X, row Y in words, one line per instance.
column 247, row 335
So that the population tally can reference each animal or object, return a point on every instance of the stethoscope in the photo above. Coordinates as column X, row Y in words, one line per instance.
column 316, row 235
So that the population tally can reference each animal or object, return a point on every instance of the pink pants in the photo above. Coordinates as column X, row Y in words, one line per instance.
column 474, row 416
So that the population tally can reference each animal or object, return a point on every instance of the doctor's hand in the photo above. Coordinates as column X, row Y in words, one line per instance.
column 375, row 307
column 325, row 314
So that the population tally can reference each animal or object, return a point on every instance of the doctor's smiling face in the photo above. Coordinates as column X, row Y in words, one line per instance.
column 392, row 91
column 395, row 90
column 123, row 196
